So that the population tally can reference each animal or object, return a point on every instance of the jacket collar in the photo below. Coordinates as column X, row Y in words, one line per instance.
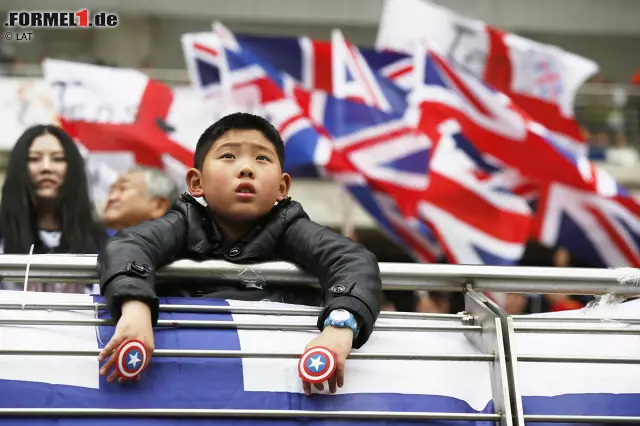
column 213, row 229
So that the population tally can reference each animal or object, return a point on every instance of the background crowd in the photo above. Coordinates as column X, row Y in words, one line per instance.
column 46, row 203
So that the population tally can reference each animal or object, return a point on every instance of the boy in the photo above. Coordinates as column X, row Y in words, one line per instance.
column 238, row 171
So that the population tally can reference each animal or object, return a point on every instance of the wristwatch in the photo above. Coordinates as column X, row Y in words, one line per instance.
column 341, row 318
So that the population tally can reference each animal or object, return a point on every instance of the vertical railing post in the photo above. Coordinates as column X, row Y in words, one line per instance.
column 514, row 384
column 507, row 343
column 490, row 341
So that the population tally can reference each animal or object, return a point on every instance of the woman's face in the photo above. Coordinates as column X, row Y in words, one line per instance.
column 47, row 166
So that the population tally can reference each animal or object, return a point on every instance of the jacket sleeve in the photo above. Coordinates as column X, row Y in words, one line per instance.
column 128, row 262
column 348, row 273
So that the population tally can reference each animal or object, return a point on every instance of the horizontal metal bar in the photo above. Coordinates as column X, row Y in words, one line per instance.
column 395, row 276
column 567, row 329
column 204, row 309
column 188, row 353
column 544, row 418
column 566, row 319
column 227, row 413
column 548, row 284
column 238, row 325
column 577, row 359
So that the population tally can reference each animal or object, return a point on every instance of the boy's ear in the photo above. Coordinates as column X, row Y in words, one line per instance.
column 194, row 182
column 285, row 185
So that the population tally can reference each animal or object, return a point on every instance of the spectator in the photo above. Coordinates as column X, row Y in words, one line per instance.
column 434, row 302
column 517, row 304
column 139, row 195
column 621, row 154
column 538, row 255
column 387, row 305
column 561, row 302
column 598, row 145
column 562, row 257
column 45, row 201
column 248, row 218
column 596, row 153
column 7, row 58
column 401, row 301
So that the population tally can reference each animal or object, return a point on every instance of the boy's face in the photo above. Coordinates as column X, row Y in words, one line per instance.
column 241, row 177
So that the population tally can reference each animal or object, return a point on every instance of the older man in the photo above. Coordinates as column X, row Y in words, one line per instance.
column 140, row 194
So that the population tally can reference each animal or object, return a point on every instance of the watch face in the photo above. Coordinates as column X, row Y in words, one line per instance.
column 340, row 315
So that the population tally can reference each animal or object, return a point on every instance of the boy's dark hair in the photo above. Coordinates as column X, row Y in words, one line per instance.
column 237, row 121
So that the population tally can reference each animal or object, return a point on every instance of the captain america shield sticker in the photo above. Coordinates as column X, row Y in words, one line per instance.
column 317, row 365
column 131, row 359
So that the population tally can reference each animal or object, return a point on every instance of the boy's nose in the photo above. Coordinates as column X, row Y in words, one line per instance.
column 246, row 171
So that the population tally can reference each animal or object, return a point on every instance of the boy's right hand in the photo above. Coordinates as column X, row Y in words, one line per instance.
column 135, row 323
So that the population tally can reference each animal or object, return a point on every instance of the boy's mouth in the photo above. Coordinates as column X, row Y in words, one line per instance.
column 246, row 189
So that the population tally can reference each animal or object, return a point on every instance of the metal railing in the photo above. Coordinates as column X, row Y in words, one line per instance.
column 395, row 276
column 483, row 323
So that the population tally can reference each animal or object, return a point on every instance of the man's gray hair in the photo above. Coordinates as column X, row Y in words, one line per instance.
column 159, row 184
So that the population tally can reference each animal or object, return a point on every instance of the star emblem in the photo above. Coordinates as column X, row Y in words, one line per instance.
column 134, row 360
column 316, row 363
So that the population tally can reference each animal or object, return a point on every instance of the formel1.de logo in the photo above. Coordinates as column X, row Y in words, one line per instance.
column 60, row 19
column 21, row 20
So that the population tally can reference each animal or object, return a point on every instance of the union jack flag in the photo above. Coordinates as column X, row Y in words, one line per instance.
column 495, row 125
column 238, row 70
column 384, row 162
column 336, row 67
column 601, row 228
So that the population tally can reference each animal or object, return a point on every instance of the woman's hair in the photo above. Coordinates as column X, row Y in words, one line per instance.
column 74, row 210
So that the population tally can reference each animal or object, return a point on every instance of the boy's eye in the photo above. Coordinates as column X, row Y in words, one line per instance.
column 263, row 157
column 227, row 155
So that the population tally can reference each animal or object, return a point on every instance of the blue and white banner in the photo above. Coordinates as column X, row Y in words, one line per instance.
column 208, row 383
column 581, row 389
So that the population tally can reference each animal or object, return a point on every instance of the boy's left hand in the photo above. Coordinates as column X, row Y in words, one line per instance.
column 338, row 340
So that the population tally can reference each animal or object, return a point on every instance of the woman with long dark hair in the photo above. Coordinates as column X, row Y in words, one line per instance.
column 45, row 199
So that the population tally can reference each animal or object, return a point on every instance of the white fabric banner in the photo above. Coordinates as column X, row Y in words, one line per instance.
column 539, row 70
column 24, row 102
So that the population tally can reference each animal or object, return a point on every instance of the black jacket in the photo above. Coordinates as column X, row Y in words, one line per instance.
column 348, row 273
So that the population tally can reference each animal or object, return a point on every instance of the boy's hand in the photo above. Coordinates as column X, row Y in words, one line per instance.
column 135, row 323
column 338, row 340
